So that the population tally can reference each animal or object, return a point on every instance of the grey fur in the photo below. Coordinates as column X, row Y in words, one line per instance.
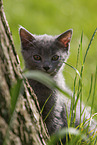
column 46, row 47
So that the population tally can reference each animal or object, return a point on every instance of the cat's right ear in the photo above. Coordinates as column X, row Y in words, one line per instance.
column 65, row 38
column 26, row 38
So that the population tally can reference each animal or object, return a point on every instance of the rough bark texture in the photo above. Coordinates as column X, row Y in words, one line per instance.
column 25, row 125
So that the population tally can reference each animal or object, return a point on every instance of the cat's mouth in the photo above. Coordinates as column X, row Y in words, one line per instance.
column 48, row 70
column 51, row 73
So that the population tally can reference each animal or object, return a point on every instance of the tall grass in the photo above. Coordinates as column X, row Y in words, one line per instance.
column 78, row 137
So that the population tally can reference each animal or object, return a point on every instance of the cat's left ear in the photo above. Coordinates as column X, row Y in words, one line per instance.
column 26, row 38
column 65, row 37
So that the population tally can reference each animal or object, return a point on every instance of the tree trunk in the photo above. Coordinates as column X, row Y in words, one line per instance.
column 24, row 126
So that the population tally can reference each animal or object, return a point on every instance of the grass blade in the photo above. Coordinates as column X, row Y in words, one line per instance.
column 45, row 104
column 89, row 45
column 45, row 79
column 73, row 68
column 14, row 92
column 73, row 98
column 81, row 53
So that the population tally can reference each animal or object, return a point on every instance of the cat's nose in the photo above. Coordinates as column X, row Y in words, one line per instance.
column 46, row 68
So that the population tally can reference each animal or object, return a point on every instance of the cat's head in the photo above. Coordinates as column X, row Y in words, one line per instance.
column 44, row 52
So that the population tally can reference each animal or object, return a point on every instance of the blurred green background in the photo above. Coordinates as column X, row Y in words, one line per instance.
column 54, row 17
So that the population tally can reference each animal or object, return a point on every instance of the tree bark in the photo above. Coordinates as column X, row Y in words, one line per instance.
column 24, row 126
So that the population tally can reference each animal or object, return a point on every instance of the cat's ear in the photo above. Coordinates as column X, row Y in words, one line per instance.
column 26, row 38
column 65, row 37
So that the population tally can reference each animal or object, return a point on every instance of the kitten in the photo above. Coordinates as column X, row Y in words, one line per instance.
column 48, row 54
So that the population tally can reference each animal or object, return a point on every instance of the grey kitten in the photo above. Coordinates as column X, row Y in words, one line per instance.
column 48, row 54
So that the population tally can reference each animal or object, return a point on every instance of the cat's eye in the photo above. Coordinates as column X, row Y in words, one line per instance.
column 55, row 58
column 37, row 57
